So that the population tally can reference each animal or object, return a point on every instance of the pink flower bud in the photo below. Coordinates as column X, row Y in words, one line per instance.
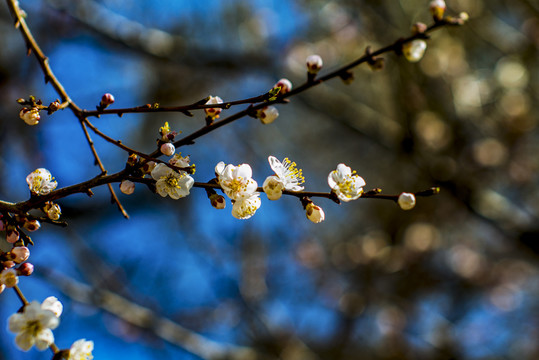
column 267, row 114
column 12, row 236
column 127, row 187
column 32, row 225
column 106, row 100
column 25, row 269
column 168, row 149
column 314, row 64
column 218, row 201
column 30, row 116
column 22, row 253
column 213, row 112
column 285, row 86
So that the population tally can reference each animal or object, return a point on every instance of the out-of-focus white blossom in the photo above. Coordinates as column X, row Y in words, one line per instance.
column 246, row 206
column 236, row 181
column 30, row 116
column 53, row 304
column 267, row 114
column 406, row 201
column 314, row 213
column 170, row 182
column 414, row 50
column 41, row 182
column 81, row 350
column 33, row 327
column 9, row 278
column 346, row 184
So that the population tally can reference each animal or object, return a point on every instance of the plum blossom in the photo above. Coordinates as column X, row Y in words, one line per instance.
column 53, row 211
column 236, row 181
column 347, row 185
column 170, row 182
column 33, row 327
column 314, row 63
column 246, row 206
column 213, row 113
column 53, row 304
column 9, row 278
column 406, row 201
column 267, row 114
column 81, row 350
column 180, row 161
column 41, row 182
column 287, row 177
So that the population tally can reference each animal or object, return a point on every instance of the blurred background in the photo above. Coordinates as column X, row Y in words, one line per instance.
column 455, row 278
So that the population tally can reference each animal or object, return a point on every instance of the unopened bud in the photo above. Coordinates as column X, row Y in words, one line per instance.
column 314, row 64
column 267, row 114
column 314, row 213
column 285, row 86
column 218, row 201
column 106, row 100
column 437, row 9
column 167, row 149
column 377, row 64
column 21, row 253
column 25, row 269
column 53, row 211
column 12, row 235
column 148, row 167
column 132, row 159
column 127, row 187
column 54, row 106
column 419, row 28
column 31, row 225
column 30, row 116
column 414, row 50
column 406, row 201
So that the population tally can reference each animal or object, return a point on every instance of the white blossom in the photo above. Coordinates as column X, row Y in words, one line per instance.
column 414, row 50
column 287, row 177
column 273, row 187
column 53, row 304
column 406, row 201
column 9, row 278
column 33, row 327
column 246, row 206
column 346, row 184
column 170, row 182
column 41, row 182
column 213, row 112
column 81, row 350
column 236, row 181
column 180, row 161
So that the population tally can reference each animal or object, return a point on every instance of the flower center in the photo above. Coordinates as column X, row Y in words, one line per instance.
column 173, row 181
column 291, row 172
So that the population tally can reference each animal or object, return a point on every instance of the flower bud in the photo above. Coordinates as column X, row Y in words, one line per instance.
column 437, row 9
column 213, row 112
column 21, row 253
column 314, row 64
column 106, row 100
column 53, row 210
column 419, row 28
column 413, row 51
column 267, row 114
column 314, row 213
column 148, row 167
column 218, row 201
column 12, row 235
column 30, row 116
column 167, row 149
column 132, row 159
column 273, row 188
column 406, row 201
column 8, row 264
column 54, row 106
column 9, row 277
column 285, row 86
column 127, row 187
column 31, row 225
column 25, row 269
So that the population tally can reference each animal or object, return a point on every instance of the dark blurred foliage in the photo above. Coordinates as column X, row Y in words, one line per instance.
column 455, row 278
